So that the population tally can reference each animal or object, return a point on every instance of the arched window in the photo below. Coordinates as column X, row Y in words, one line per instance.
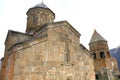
column 94, row 55
column 102, row 54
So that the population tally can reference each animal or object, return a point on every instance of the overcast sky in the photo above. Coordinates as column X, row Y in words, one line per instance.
column 83, row 15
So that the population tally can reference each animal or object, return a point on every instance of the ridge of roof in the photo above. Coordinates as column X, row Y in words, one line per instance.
column 15, row 32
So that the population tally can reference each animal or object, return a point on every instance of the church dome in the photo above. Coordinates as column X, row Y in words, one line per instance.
column 38, row 16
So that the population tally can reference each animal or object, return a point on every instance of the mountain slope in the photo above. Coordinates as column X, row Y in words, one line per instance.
column 116, row 53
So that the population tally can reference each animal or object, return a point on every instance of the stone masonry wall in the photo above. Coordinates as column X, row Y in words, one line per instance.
column 55, row 57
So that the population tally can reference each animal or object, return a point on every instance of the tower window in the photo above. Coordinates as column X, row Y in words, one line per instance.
column 108, row 53
column 94, row 55
column 96, row 77
column 102, row 54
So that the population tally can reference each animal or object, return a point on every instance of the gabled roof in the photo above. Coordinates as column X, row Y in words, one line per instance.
column 63, row 23
column 96, row 37
column 58, row 24
column 14, row 37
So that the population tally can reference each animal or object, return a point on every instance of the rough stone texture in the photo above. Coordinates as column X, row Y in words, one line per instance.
column 14, row 37
column 109, row 62
column 10, row 67
column 49, row 51
column 106, row 65
column 47, row 59
column 38, row 17
column 54, row 53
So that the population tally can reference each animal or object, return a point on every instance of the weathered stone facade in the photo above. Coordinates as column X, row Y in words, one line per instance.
column 47, row 51
column 53, row 57
column 105, row 66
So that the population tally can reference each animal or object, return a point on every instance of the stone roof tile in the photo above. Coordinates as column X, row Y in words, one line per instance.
column 96, row 37
column 41, row 5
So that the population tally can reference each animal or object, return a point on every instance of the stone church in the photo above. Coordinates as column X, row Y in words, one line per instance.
column 51, row 50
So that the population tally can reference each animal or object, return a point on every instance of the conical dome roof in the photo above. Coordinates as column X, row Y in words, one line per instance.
column 96, row 37
column 41, row 5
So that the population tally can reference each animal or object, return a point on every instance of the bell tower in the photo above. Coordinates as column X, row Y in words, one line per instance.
column 100, row 52
column 37, row 16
